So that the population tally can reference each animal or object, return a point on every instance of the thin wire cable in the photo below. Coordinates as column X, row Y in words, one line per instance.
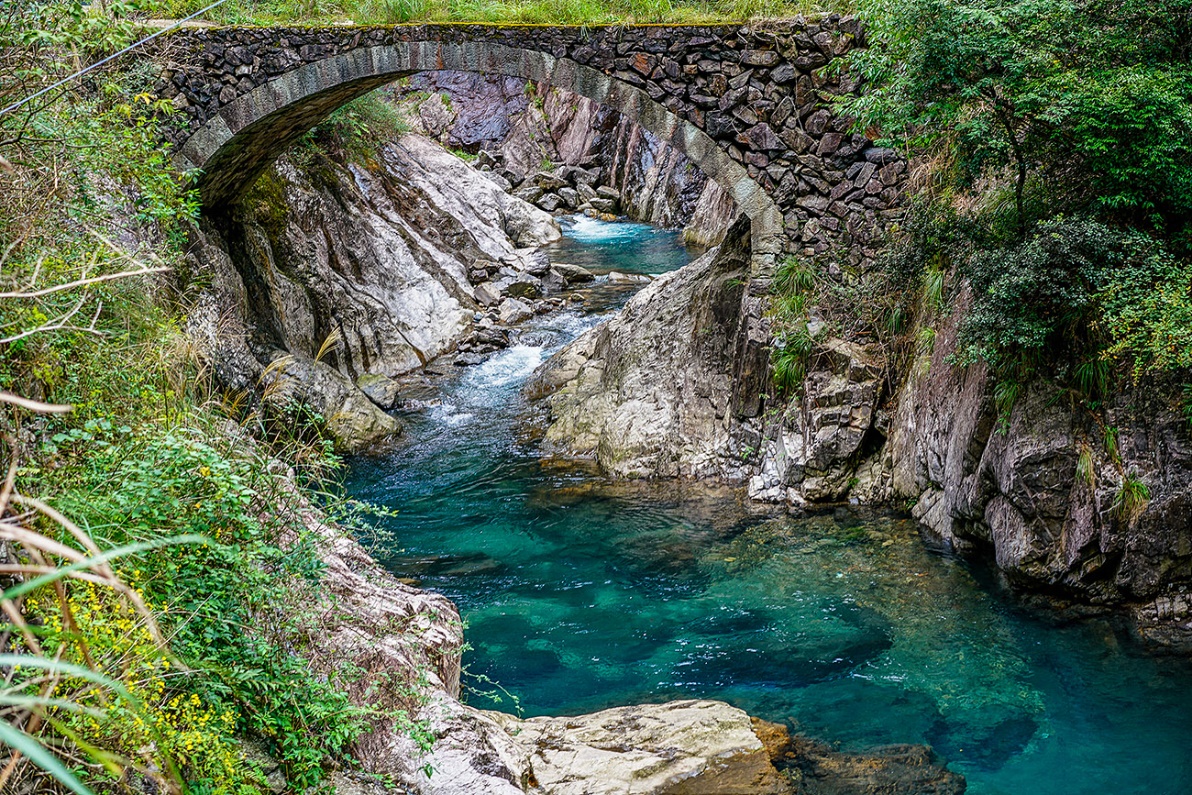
column 112, row 57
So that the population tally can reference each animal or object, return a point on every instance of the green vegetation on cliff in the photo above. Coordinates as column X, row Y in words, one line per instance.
column 159, row 580
column 1056, row 139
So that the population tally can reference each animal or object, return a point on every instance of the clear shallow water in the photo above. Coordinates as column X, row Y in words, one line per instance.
column 601, row 247
column 581, row 594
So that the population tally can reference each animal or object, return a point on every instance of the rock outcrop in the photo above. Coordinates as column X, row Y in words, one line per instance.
column 813, row 446
column 655, row 391
column 1017, row 489
column 328, row 273
column 678, row 385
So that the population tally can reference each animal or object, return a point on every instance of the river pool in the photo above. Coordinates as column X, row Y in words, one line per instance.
column 580, row 593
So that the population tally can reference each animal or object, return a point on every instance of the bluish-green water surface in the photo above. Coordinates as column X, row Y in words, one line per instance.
column 581, row 594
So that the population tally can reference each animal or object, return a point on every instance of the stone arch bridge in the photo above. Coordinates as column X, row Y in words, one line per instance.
column 749, row 105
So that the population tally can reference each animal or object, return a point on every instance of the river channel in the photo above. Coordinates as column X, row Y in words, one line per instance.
column 581, row 593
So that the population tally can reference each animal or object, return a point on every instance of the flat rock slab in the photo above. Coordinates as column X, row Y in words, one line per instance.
column 678, row 748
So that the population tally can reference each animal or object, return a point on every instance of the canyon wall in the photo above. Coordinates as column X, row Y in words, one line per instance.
column 525, row 127
column 680, row 385
column 331, row 276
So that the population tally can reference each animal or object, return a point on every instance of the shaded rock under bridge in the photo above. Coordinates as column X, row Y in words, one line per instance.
column 750, row 105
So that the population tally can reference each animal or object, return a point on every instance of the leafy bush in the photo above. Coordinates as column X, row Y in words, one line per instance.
column 1095, row 97
column 1146, row 307
column 1079, row 291
column 1035, row 294
column 235, row 610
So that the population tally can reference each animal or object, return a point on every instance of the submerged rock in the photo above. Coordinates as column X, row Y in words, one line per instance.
column 573, row 274
column 813, row 768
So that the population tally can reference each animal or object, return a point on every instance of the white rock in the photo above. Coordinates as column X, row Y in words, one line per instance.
column 514, row 311
column 630, row 278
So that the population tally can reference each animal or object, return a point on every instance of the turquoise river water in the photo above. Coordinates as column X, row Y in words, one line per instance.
column 580, row 594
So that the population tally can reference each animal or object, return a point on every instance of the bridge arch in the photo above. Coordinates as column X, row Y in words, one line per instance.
column 243, row 137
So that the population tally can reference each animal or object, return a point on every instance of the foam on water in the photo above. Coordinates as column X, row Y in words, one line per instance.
column 511, row 366
column 592, row 231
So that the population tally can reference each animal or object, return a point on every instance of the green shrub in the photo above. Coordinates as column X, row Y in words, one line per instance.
column 358, row 128
column 236, row 606
column 1078, row 291
column 144, row 457
column 1132, row 499
column 1035, row 295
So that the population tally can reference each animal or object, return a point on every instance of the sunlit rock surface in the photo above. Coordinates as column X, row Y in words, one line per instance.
column 342, row 272
column 650, row 392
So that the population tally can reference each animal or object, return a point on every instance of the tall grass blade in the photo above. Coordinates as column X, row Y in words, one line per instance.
column 36, row 753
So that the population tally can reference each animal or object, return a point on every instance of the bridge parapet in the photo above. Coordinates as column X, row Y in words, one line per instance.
column 749, row 104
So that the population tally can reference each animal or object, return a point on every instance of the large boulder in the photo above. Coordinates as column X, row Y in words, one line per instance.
column 354, row 422
column 678, row 748
column 380, row 389
column 655, row 390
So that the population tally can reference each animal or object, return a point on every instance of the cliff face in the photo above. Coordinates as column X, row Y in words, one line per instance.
column 1018, row 492
column 678, row 385
column 331, row 273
